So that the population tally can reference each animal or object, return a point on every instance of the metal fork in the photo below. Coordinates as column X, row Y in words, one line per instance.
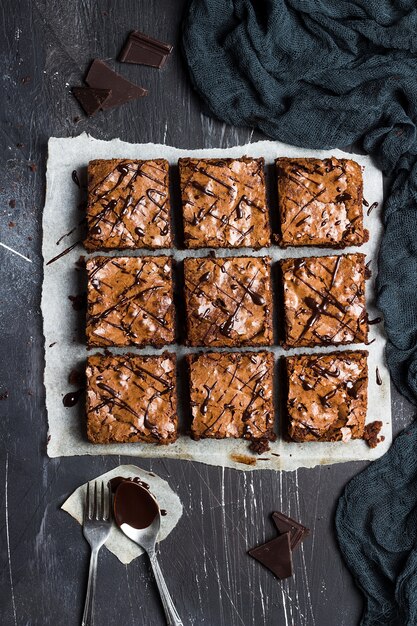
column 96, row 529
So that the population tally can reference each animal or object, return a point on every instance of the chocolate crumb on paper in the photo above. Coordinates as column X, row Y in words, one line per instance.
column 371, row 433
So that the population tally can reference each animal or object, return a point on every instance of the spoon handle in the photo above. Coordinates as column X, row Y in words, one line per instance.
column 172, row 617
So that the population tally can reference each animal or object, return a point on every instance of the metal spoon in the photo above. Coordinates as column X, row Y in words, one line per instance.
column 138, row 516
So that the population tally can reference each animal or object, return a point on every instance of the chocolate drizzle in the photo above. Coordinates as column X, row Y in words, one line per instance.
column 324, row 312
column 320, row 202
column 376, row 320
column 130, row 301
column 63, row 253
column 231, row 395
column 131, row 398
column 75, row 178
column 332, row 405
column 228, row 300
column 128, row 205
column 224, row 203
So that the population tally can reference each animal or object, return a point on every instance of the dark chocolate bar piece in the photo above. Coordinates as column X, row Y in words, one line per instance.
column 101, row 76
column 275, row 555
column 286, row 524
column 144, row 50
column 90, row 99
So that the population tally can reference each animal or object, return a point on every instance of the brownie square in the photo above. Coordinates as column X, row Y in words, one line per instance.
column 324, row 300
column 231, row 395
column 128, row 205
column 131, row 398
column 130, row 301
column 228, row 301
column 224, row 203
column 320, row 203
column 327, row 396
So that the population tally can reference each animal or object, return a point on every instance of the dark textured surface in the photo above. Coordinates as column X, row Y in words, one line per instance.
column 46, row 47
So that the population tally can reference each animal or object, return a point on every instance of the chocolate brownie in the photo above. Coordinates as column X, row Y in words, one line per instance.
column 224, row 203
column 131, row 398
column 327, row 396
column 128, row 205
column 130, row 301
column 231, row 395
column 320, row 203
column 324, row 300
column 228, row 301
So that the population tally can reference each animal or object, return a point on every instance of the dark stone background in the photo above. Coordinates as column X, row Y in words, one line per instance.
column 46, row 46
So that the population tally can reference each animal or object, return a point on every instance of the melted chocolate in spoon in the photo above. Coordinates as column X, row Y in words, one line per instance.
column 134, row 505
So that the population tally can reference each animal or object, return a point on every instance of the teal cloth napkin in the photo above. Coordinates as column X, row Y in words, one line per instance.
column 325, row 74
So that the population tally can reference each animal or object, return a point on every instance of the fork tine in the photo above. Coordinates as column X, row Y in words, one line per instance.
column 103, row 516
column 95, row 510
column 87, row 503
column 109, row 502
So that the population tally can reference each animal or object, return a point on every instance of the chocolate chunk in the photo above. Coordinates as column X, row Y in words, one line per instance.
column 371, row 433
column 90, row 99
column 144, row 50
column 276, row 556
column 100, row 76
column 296, row 530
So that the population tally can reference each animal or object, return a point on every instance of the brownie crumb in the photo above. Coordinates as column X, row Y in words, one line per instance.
column 75, row 378
column 261, row 445
column 12, row 203
column 12, row 224
column 4, row 395
column 33, row 167
column 79, row 302
column 371, row 432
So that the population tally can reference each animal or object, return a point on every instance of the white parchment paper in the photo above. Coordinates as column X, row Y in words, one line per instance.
column 118, row 543
column 63, row 326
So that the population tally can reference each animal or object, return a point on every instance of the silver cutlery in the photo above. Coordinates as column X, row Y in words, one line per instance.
column 144, row 511
column 96, row 528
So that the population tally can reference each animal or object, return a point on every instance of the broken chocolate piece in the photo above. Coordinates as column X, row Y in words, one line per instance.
column 276, row 556
column 101, row 76
column 296, row 530
column 144, row 50
column 371, row 432
column 91, row 99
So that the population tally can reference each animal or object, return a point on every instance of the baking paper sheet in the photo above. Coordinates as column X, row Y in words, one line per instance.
column 63, row 326
column 118, row 543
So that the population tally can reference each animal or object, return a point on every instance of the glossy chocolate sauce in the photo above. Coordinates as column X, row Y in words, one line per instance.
column 75, row 178
column 133, row 504
column 377, row 320
column 63, row 253
column 70, row 399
